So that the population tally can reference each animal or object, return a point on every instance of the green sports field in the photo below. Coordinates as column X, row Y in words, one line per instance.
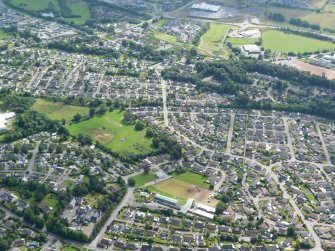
column 143, row 178
column 58, row 110
column 280, row 41
column 110, row 131
column 212, row 43
column 192, row 178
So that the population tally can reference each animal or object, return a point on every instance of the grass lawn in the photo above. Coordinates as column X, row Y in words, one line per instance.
column 241, row 41
column 31, row 4
column 212, row 40
column 111, row 132
column 4, row 35
column 50, row 201
column 79, row 7
column 58, row 110
column 283, row 42
column 165, row 37
column 161, row 22
column 142, row 179
column 192, row 178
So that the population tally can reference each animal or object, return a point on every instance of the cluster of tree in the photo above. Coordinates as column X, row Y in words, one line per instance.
column 166, row 145
column 16, row 104
column 302, row 23
column 202, row 31
column 277, row 17
column 32, row 218
column 81, row 45
column 309, row 34
column 94, row 185
column 287, row 73
column 60, row 226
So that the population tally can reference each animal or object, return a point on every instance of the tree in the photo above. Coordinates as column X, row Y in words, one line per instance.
column 131, row 182
column 3, row 245
column 220, row 207
column 291, row 231
column 139, row 126
column 76, row 117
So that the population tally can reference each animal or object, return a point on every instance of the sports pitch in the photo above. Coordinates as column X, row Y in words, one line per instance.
column 182, row 191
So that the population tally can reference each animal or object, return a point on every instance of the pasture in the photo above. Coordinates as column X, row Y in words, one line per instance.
column 111, row 132
column 58, row 110
column 212, row 42
column 182, row 191
column 280, row 41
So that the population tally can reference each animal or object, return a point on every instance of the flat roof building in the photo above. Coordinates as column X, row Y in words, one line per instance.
column 166, row 200
column 206, row 7
column 4, row 117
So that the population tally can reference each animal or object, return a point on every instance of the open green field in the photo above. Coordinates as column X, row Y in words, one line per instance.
column 212, row 43
column 280, row 41
column 165, row 37
column 77, row 7
column 110, row 131
column 192, row 178
column 143, row 178
column 161, row 22
column 58, row 110
column 241, row 41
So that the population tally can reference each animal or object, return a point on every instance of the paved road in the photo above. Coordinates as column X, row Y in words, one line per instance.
column 33, row 157
column 230, row 132
column 165, row 110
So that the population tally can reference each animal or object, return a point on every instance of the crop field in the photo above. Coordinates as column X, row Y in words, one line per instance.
column 110, row 131
column 283, row 42
column 182, row 190
column 58, row 110
column 143, row 178
column 212, row 43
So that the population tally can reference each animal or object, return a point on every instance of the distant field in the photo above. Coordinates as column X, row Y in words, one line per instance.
column 182, row 190
column 110, row 131
column 212, row 41
column 241, row 41
column 142, row 179
column 58, row 110
column 161, row 22
column 77, row 7
column 283, row 42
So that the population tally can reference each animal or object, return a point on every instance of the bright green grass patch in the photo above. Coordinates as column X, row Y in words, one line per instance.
column 212, row 41
column 192, row 178
column 165, row 37
column 50, row 200
column 79, row 7
column 111, row 132
column 152, row 189
column 4, row 35
column 280, row 41
column 31, row 4
column 58, row 110
column 235, row 41
column 161, row 22
column 142, row 179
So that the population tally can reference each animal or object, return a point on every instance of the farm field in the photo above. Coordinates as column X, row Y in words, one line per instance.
column 111, row 132
column 211, row 43
column 79, row 7
column 182, row 190
column 58, row 110
column 302, row 66
column 280, row 41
